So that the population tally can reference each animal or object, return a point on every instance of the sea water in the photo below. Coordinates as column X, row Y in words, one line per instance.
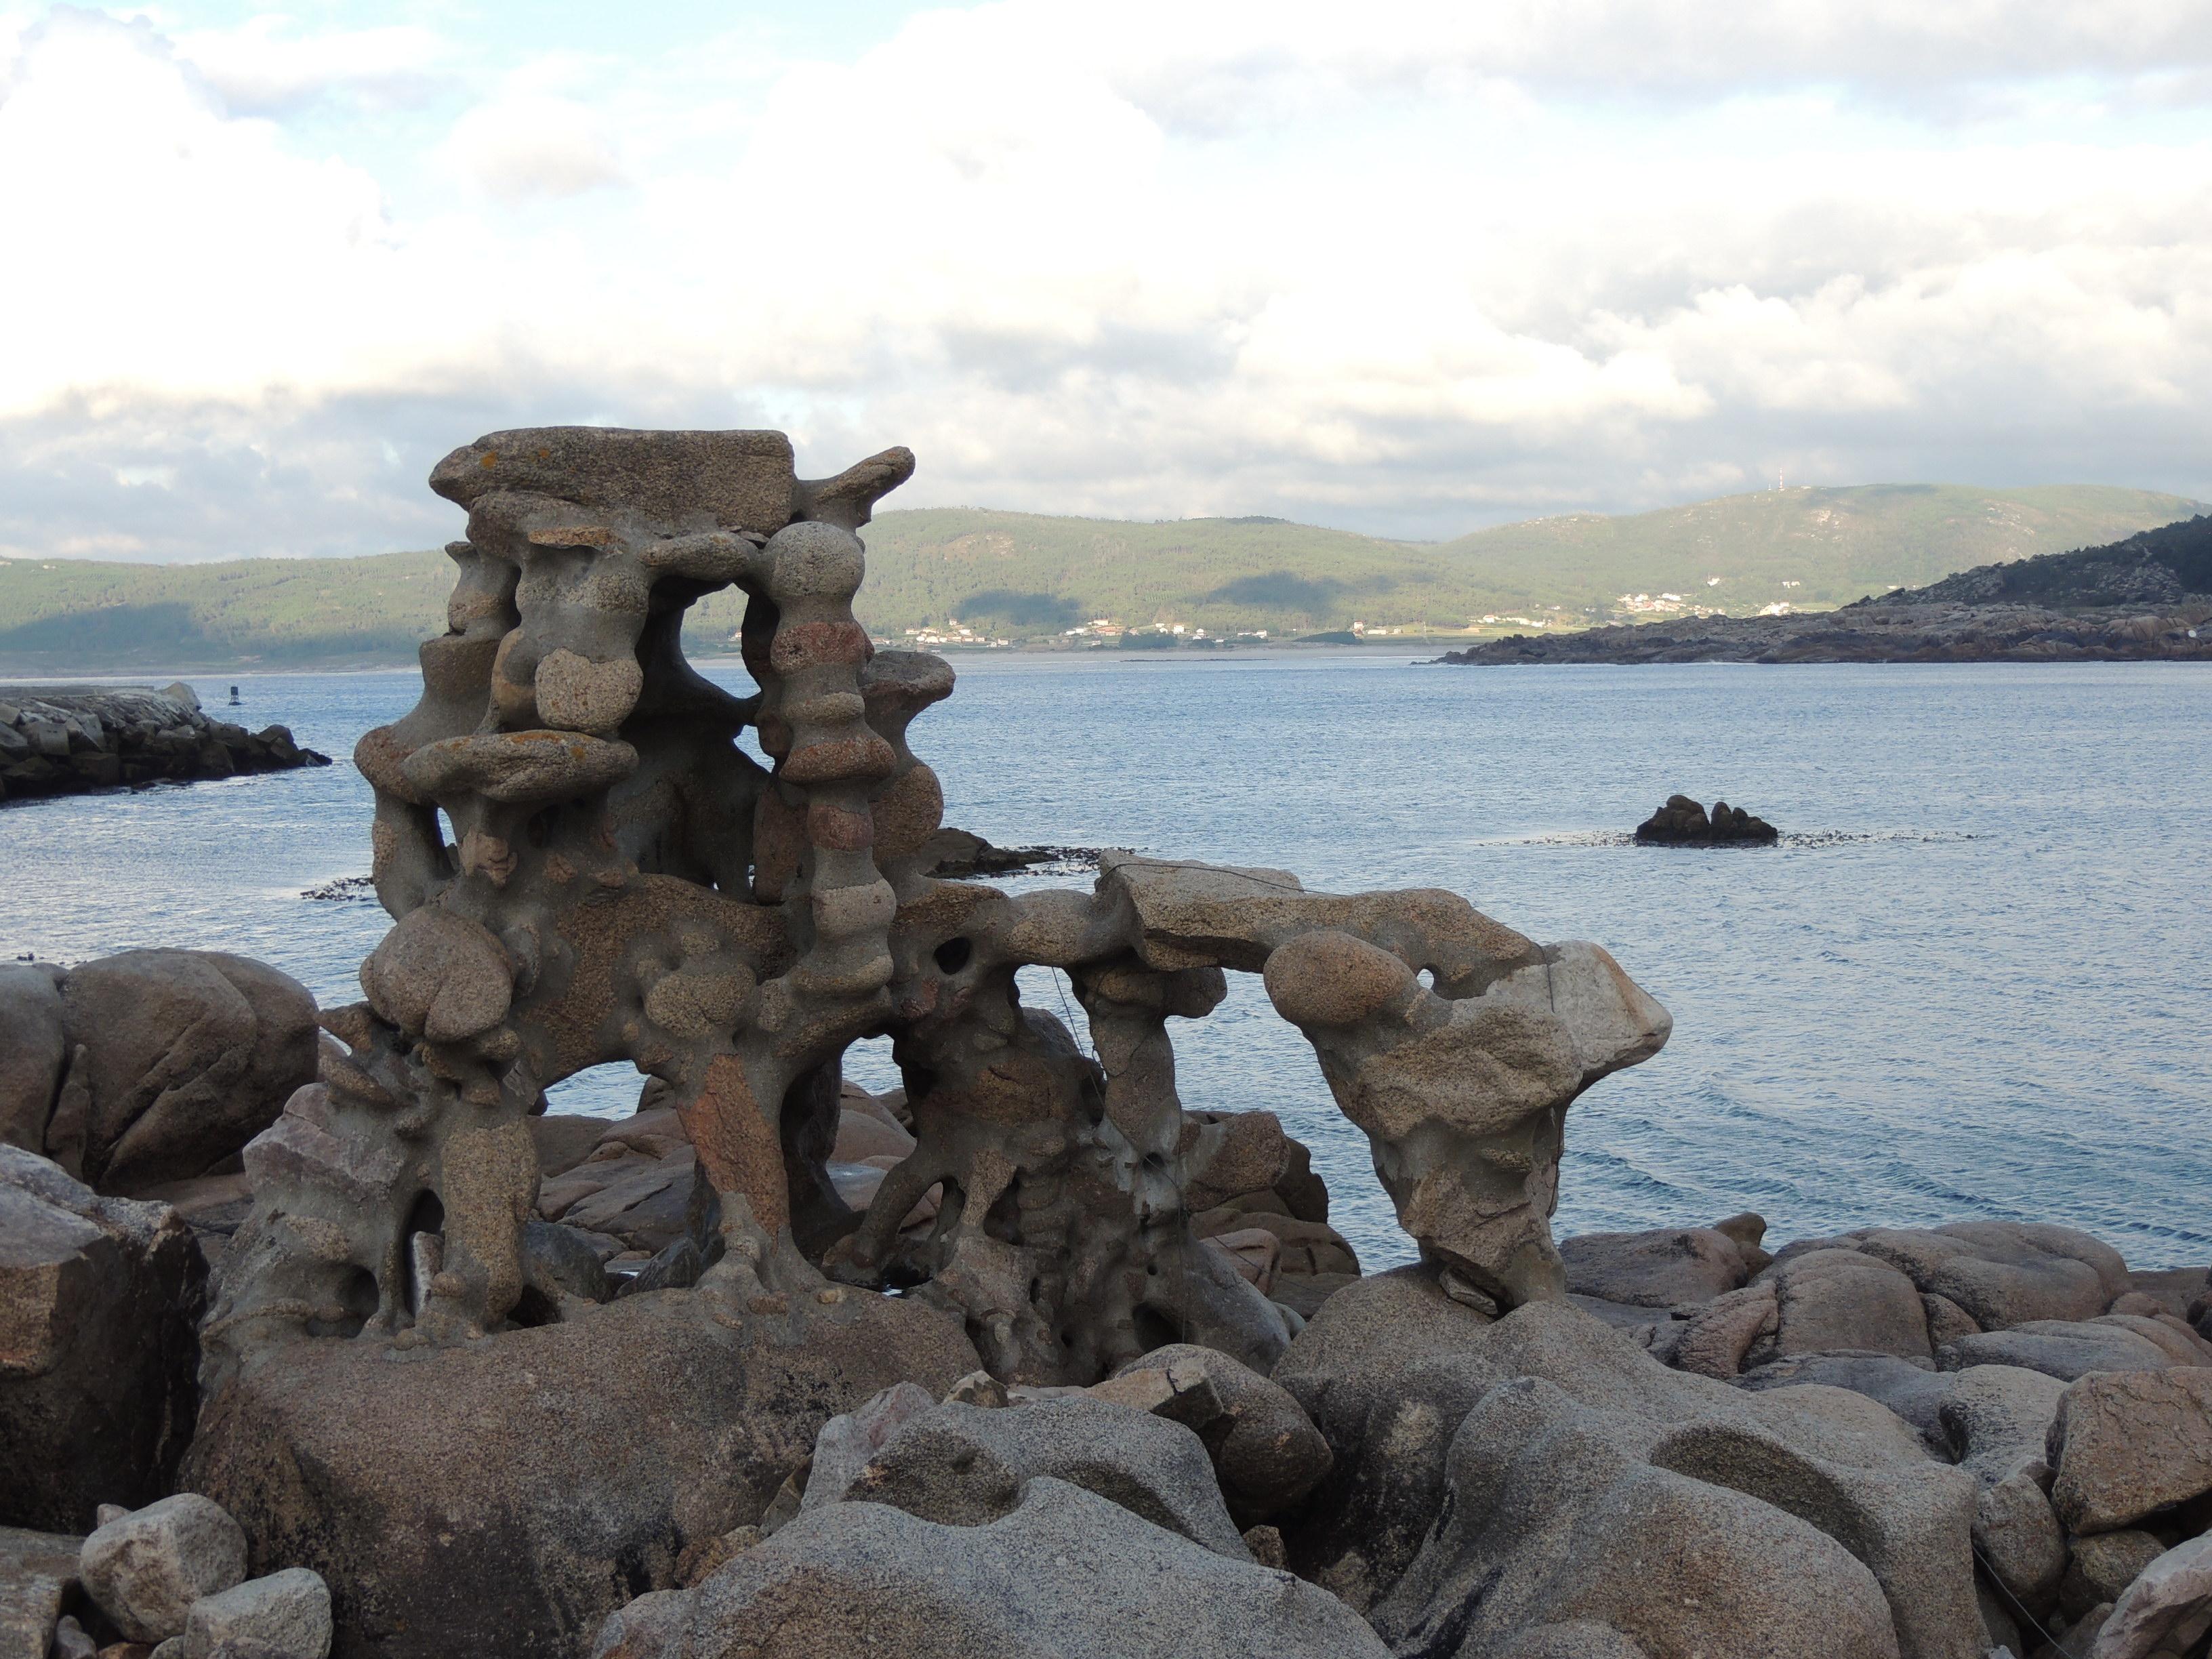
column 1974, row 981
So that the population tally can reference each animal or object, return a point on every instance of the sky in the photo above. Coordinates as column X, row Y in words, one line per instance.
column 1406, row 267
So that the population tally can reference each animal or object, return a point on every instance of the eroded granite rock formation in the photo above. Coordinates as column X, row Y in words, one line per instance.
column 585, row 867
column 505, row 1379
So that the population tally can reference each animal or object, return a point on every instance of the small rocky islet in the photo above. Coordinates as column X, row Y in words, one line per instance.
column 1682, row 822
column 70, row 739
column 320, row 1334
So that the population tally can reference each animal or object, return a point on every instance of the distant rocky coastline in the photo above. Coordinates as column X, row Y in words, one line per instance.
column 2145, row 599
column 66, row 739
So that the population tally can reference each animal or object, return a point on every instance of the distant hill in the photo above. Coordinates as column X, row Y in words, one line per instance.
column 1029, row 577
column 2147, row 598
column 79, row 616
column 1836, row 545
column 2158, row 567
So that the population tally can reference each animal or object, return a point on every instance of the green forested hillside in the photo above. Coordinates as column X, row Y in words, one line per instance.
column 78, row 615
column 1026, row 576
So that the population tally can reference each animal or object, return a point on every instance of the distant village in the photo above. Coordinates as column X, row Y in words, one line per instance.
column 1104, row 630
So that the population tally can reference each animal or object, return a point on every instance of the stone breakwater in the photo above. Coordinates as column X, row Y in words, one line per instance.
column 65, row 740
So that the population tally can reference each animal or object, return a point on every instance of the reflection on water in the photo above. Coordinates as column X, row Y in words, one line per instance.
column 1973, row 981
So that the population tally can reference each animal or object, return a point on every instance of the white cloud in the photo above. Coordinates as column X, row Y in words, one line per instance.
column 266, row 66
column 162, row 243
column 1200, row 62
column 529, row 145
column 1402, row 268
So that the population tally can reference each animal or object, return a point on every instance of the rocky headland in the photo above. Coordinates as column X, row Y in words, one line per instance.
column 65, row 740
column 2145, row 599
column 321, row 1334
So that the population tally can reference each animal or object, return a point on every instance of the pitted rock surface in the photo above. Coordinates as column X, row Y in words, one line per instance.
column 584, row 866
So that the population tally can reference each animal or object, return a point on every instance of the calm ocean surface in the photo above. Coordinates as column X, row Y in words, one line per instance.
column 1974, row 981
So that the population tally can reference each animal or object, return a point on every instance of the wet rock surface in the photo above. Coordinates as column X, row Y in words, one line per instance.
column 962, row 856
column 66, row 739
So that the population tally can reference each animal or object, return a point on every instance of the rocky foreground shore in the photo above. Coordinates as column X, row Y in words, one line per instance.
column 1944, row 1441
column 65, row 740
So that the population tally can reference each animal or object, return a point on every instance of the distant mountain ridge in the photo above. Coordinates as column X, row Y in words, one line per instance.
column 1033, row 578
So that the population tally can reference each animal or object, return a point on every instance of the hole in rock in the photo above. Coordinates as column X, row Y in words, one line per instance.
column 610, row 1091
column 357, row 1297
column 869, row 1064
column 533, row 1309
column 953, row 955
column 1245, row 1057
column 748, row 744
column 422, row 1241
column 1156, row 1327
column 426, row 1215
column 1003, row 1221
